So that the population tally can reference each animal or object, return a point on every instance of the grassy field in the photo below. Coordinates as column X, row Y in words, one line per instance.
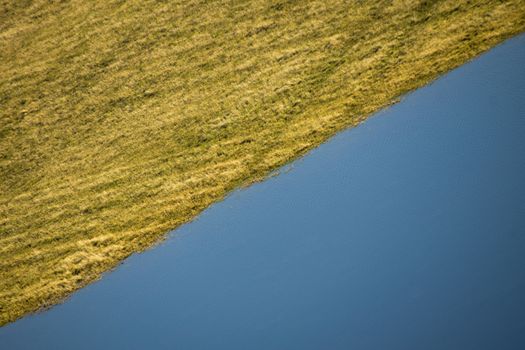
column 121, row 120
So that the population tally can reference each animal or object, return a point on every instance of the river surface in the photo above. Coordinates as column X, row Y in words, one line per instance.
column 407, row 232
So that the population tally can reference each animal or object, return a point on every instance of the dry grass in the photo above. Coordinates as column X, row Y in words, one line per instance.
column 121, row 120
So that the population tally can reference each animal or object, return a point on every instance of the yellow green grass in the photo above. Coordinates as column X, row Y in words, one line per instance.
column 121, row 120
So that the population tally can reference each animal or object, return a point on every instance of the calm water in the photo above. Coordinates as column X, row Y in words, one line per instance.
column 407, row 232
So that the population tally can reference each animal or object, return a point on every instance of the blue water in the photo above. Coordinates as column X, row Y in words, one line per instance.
column 407, row 232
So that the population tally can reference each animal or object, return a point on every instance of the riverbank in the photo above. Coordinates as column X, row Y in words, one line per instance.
column 124, row 121
column 403, row 233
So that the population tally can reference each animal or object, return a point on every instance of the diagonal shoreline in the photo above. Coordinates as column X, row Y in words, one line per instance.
column 71, row 212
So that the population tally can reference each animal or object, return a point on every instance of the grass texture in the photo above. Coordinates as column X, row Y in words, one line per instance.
column 121, row 120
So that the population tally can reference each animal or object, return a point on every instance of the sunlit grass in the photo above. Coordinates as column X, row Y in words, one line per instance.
column 121, row 120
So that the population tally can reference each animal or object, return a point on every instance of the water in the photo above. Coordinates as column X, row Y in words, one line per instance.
column 407, row 232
